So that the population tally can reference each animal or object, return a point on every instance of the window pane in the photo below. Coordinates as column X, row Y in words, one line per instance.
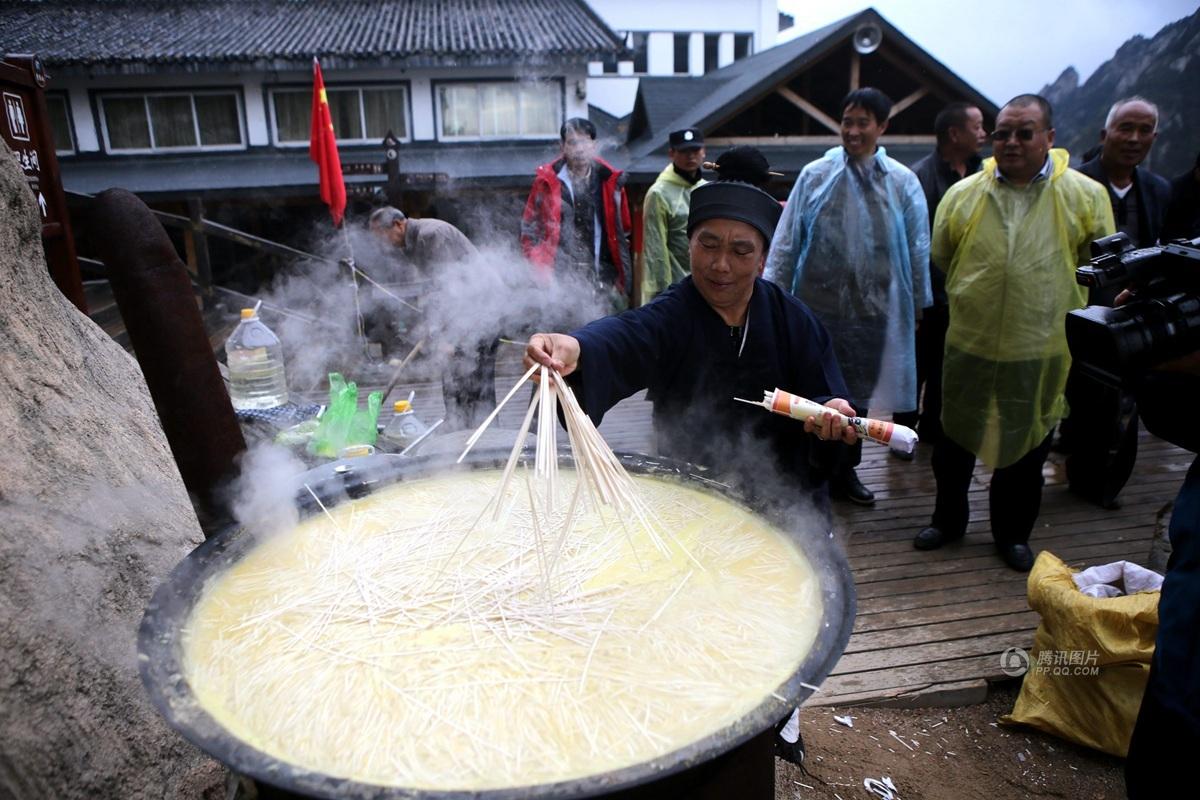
column 385, row 111
column 710, row 51
column 460, row 110
column 682, row 54
column 60, row 124
column 346, row 114
column 741, row 45
column 638, row 42
column 498, row 110
column 293, row 116
column 218, row 118
column 540, row 110
column 171, row 120
column 125, row 118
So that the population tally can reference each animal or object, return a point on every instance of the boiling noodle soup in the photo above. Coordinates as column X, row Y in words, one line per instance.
column 410, row 639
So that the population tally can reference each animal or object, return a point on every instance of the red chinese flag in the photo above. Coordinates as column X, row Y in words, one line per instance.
column 322, row 149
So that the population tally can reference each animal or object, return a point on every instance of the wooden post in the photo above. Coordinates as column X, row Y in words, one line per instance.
column 195, row 208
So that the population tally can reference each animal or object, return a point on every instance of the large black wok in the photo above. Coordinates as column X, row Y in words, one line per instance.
column 734, row 761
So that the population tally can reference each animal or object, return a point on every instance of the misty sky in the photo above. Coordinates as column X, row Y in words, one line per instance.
column 1008, row 47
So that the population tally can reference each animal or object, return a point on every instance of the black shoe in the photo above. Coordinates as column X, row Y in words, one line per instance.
column 789, row 751
column 1017, row 556
column 1108, row 502
column 849, row 487
column 932, row 538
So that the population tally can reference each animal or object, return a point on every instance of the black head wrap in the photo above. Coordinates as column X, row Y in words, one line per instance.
column 744, row 163
column 736, row 201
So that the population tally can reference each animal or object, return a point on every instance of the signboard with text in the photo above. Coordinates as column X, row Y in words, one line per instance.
column 25, row 127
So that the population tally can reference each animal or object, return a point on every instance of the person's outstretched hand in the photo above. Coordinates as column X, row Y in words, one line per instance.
column 554, row 350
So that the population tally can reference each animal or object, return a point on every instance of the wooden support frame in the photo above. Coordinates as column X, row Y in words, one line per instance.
column 808, row 108
column 908, row 100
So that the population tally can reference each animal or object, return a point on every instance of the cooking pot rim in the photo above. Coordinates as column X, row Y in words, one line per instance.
column 160, row 650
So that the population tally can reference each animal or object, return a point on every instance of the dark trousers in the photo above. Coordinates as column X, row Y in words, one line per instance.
column 1014, row 499
column 469, row 385
column 931, row 347
column 845, row 460
column 1166, row 736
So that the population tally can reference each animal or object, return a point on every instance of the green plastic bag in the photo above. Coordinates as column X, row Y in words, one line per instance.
column 344, row 423
column 363, row 426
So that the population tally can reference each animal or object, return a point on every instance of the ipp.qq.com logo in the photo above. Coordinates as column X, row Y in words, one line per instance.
column 1014, row 662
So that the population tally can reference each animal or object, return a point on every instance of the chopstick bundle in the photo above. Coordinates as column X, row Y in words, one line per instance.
column 598, row 468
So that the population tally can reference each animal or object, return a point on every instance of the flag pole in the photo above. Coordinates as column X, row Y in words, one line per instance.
column 322, row 150
column 362, row 334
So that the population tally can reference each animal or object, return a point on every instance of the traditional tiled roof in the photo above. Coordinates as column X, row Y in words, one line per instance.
column 282, row 34
column 667, row 103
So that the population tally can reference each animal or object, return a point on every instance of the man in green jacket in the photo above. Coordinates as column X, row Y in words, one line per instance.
column 665, row 214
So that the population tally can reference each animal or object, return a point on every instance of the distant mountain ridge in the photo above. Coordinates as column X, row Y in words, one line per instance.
column 1164, row 69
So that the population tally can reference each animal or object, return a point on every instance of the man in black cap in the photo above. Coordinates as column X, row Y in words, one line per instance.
column 720, row 333
column 665, row 214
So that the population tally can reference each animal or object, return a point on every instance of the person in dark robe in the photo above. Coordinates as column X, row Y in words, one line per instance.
column 719, row 334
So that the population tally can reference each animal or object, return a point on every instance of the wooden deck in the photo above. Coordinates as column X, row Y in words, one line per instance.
column 931, row 625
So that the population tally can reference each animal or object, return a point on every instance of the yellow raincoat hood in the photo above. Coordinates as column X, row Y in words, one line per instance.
column 1010, row 255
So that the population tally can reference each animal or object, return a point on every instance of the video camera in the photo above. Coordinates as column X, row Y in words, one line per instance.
column 1160, row 322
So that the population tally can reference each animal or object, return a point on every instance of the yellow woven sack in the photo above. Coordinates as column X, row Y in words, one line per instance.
column 1090, row 660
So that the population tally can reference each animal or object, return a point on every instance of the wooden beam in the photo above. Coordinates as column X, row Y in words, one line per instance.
column 198, row 245
column 808, row 108
column 855, row 69
column 918, row 77
column 905, row 102
column 826, row 141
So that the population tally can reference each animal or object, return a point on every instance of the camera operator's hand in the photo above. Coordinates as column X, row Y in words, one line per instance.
column 1189, row 364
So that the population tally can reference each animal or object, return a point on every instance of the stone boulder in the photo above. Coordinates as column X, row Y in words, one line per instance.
column 93, row 515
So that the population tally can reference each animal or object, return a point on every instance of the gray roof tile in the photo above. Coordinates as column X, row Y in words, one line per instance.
column 341, row 32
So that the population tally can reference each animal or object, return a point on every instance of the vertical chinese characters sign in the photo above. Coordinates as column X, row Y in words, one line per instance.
column 25, row 127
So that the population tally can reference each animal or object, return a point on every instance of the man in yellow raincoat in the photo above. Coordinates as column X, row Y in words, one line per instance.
column 1009, row 239
column 665, row 214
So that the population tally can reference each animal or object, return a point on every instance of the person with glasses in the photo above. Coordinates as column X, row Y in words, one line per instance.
column 960, row 136
column 1009, row 238
column 853, row 245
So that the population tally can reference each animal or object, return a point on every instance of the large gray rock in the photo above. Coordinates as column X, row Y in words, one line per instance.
column 93, row 515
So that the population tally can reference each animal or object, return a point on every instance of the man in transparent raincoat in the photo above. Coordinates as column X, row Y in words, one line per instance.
column 1009, row 239
column 853, row 244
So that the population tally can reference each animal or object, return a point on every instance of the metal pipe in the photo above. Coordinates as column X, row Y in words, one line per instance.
column 154, row 294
